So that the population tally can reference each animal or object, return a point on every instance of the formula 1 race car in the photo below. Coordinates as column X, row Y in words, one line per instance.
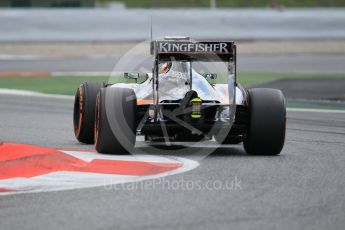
column 181, row 102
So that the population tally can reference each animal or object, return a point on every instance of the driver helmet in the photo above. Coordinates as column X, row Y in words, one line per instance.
column 166, row 67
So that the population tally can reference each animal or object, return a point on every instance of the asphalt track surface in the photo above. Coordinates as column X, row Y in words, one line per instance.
column 303, row 188
column 320, row 63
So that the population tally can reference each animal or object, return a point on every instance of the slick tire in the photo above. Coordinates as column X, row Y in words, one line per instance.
column 115, row 123
column 84, row 111
column 267, row 122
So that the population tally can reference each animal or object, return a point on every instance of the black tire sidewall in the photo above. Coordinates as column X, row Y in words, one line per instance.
column 116, row 121
column 267, row 122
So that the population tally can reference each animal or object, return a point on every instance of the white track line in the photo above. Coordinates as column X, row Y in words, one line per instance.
column 315, row 110
column 18, row 92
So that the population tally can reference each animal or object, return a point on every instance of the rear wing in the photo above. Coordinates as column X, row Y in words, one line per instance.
column 165, row 50
column 194, row 51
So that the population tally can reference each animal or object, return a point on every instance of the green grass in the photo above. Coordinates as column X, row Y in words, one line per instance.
column 251, row 79
column 226, row 3
column 68, row 85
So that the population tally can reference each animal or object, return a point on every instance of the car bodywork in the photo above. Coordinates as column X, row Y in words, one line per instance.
column 180, row 101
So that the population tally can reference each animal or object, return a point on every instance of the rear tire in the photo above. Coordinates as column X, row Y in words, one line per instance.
column 115, row 122
column 84, row 111
column 267, row 122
